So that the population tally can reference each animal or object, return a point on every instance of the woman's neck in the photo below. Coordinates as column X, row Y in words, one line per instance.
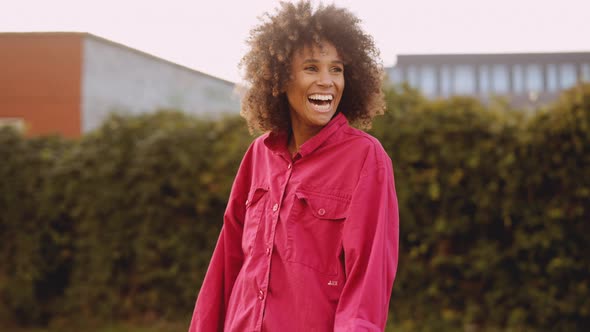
column 297, row 137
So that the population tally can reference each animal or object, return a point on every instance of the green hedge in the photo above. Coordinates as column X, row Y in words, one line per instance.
column 494, row 210
column 28, row 256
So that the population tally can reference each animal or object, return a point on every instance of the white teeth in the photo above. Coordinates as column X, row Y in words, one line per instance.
column 322, row 108
column 320, row 97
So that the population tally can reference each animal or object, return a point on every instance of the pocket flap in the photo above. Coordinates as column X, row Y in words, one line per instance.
column 255, row 194
column 325, row 206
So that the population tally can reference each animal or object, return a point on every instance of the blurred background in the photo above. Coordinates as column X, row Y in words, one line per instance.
column 120, row 138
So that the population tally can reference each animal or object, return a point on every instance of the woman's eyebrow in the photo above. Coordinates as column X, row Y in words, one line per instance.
column 311, row 60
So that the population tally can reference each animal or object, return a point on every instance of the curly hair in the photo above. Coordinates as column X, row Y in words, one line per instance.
column 267, row 65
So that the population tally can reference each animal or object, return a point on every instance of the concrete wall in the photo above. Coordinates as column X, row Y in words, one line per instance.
column 121, row 79
column 40, row 82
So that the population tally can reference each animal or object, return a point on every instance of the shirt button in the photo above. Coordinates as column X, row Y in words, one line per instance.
column 321, row 212
column 261, row 295
column 247, row 202
column 275, row 207
column 268, row 251
column 289, row 167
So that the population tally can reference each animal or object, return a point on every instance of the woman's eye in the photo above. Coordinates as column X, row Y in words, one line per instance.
column 310, row 68
column 337, row 69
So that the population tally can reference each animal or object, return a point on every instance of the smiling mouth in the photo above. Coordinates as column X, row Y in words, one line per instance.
column 321, row 102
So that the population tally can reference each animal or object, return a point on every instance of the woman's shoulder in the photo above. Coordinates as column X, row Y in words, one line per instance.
column 261, row 145
column 258, row 141
column 362, row 140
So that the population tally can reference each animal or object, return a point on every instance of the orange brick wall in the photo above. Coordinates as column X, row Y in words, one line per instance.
column 40, row 81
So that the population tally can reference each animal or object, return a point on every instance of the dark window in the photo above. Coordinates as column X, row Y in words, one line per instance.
column 534, row 78
column 586, row 72
column 567, row 75
column 484, row 80
column 464, row 79
column 412, row 76
column 552, row 82
column 499, row 79
column 445, row 81
column 428, row 80
column 517, row 79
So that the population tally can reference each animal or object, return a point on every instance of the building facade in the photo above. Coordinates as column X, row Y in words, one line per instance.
column 67, row 83
column 526, row 79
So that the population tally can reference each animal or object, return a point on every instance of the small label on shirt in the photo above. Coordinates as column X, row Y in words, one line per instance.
column 333, row 283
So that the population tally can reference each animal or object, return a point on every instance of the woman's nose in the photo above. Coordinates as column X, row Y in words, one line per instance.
column 325, row 79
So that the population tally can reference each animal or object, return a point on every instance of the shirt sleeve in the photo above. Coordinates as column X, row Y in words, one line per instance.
column 227, row 259
column 370, row 244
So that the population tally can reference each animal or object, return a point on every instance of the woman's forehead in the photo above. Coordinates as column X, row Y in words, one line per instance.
column 314, row 50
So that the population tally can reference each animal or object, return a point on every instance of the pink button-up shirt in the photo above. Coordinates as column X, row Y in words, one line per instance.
column 310, row 242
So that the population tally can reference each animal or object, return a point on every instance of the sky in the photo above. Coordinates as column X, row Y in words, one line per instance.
column 209, row 36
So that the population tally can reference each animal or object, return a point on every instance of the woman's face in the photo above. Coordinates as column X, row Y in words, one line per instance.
column 315, row 89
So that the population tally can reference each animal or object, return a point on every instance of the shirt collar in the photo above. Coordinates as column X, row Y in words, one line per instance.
column 277, row 142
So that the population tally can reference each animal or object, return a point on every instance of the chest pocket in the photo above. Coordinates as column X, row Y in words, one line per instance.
column 254, row 207
column 314, row 231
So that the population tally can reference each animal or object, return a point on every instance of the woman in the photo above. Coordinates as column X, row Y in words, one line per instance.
column 310, row 234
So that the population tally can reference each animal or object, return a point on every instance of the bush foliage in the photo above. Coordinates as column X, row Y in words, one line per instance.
column 120, row 224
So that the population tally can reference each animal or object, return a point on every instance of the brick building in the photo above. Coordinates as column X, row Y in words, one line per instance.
column 67, row 83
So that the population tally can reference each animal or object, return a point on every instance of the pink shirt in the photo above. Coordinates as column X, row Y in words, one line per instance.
column 309, row 243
